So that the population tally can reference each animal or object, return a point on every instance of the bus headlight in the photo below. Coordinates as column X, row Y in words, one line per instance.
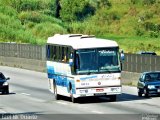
column 78, row 81
column 151, row 86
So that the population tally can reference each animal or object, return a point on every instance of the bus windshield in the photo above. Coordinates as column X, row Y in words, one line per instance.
column 98, row 60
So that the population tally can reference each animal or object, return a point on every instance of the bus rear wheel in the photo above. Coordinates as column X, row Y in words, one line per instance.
column 56, row 95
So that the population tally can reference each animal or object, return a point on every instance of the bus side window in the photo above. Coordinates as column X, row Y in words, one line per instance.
column 54, row 53
column 63, row 58
column 64, row 55
column 51, row 52
column 68, row 52
column 57, row 54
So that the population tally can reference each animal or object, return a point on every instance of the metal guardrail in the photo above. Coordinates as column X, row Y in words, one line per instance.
column 132, row 63
column 22, row 51
column 141, row 63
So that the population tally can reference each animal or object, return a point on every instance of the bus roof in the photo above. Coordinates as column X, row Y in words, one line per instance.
column 79, row 41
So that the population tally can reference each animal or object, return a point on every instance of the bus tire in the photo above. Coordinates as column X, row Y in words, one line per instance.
column 74, row 100
column 113, row 98
column 56, row 95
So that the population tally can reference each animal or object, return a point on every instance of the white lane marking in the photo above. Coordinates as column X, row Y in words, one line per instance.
column 37, row 100
column 33, row 98
column 62, row 103
column 98, row 112
column 26, row 94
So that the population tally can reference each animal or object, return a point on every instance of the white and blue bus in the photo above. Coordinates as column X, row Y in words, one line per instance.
column 82, row 65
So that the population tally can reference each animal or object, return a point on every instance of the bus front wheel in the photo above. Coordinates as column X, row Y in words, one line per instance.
column 74, row 100
column 113, row 98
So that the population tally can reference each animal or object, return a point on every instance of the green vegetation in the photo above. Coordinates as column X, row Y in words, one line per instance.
column 134, row 24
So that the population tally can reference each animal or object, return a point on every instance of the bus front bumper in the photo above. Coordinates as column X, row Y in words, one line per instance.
column 81, row 92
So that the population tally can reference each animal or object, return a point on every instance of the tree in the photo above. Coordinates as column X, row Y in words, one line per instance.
column 55, row 8
column 100, row 3
column 72, row 10
column 58, row 8
column 103, row 3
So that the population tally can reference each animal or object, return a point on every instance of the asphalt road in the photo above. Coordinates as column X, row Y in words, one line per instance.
column 30, row 98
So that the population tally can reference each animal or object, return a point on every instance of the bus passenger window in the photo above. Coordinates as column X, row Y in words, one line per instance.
column 54, row 53
column 68, row 52
column 57, row 54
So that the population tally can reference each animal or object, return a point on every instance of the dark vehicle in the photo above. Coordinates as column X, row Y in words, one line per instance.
column 147, row 53
column 149, row 84
column 4, row 86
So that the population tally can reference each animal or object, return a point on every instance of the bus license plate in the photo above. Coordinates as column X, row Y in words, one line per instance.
column 100, row 94
column 114, row 89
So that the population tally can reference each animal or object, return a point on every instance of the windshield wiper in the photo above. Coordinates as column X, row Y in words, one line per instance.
column 88, row 72
column 109, row 71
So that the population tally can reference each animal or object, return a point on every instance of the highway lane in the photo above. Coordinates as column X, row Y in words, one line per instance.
column 29, row 94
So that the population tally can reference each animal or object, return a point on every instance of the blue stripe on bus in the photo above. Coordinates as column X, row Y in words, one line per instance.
column 64, row 82
column 60, row 79
column 50, row 69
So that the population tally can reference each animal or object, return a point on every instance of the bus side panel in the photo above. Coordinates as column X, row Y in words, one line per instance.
column 63, row 85
column 50, row 71
column 60, row 72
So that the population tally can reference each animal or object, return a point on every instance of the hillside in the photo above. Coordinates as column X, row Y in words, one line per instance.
column 134, row 24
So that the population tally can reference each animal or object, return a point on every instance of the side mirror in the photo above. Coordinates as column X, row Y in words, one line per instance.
column 141, row 80
column 8, row 78
column 71, row 62
column 122, row 55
